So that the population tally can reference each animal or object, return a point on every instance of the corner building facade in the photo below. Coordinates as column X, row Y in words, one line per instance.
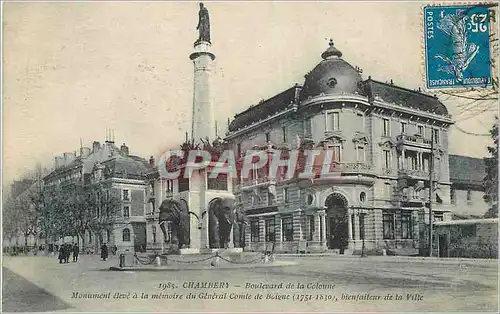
column 380, row 135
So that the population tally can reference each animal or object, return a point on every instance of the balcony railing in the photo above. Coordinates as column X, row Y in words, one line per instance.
column 419, row 174
column 336, row 170
column 263, row 181
column 413, row 173
column 355, row 167
column 413, row 139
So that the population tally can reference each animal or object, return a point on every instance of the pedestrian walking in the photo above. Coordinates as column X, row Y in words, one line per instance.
column 67, row 250
column 76, row 251
column 104, row 252
column 114, row 249
column 61, row 254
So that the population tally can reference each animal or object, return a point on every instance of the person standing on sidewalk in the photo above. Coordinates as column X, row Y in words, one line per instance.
column 343, row 244
column 61, row 254
column 104, row 251
column 76, row 251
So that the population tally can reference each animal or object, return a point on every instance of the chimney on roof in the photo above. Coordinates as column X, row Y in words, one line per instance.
column 124, row 149
column 96, row 146
column 392, row 83
column 152, row 161
column 68, row 158
column 58, row 162
column 84, row 152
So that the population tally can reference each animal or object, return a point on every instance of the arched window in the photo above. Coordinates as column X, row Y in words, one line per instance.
column 126, row 235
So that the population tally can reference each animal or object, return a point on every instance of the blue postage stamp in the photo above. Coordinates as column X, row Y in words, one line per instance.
column 457, row 46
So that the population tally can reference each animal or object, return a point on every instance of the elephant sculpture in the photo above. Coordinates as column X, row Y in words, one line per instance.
column 239, row 223
column 221, row 217
column 177, row 213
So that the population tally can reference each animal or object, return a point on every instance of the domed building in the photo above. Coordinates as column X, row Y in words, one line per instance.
column 375, row 196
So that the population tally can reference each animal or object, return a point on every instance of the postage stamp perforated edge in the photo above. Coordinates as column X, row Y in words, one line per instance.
column 493, row 27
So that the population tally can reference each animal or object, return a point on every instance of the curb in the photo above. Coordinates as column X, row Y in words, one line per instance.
column 204, row 267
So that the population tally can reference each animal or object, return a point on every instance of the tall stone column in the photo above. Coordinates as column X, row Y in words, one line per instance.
column 203, row 121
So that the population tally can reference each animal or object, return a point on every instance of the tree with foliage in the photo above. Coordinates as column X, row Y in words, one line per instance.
column 491, row 179
column 73, row 209
column 107, row 210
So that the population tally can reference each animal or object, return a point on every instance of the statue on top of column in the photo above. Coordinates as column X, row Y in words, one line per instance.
column 203, row 24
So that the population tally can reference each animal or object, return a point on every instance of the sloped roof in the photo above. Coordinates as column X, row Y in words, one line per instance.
column 126, row 166
column 263, row 110
column 402, row 96
column 106, row 151
column 467, row 170
column 76, row 163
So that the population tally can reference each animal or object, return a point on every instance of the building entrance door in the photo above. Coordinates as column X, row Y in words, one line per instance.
column 336, row 226
column 336, row 232
column 443, row 245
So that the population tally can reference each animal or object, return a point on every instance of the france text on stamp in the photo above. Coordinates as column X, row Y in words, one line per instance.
column 457, row 46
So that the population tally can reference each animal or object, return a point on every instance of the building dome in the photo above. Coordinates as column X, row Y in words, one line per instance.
column 332, row 75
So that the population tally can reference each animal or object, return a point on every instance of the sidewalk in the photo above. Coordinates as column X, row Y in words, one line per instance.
column 395, row 258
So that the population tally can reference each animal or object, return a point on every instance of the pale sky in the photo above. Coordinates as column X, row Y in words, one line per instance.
column 71, row 70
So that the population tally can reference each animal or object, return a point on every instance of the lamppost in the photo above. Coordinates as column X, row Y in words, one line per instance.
column 362, row 215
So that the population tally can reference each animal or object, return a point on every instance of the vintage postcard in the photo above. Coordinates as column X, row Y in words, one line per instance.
column 249, row 156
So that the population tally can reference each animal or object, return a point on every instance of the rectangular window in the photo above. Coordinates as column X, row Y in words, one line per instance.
column 268, row 137
column 362, row 226
column 420, row 130
column 386, row 131
column 438, row 216
column 387, row 159
column 333, row 121
column 270, row 230
column 153, row 232
column 435, row 136
column 336, row 153
column 254, row 231
column 469, row 195
column 126, row 196
column 287, row 227
column 406, row 226
column 361, row 154
column 353, row 227
column 310, row 219
column 286, row 196
column 126, row 211
column 307, row 127
column 321, row 222
column 469, row 230
column 283, row 129
column 403, row 127
column 388, row 225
